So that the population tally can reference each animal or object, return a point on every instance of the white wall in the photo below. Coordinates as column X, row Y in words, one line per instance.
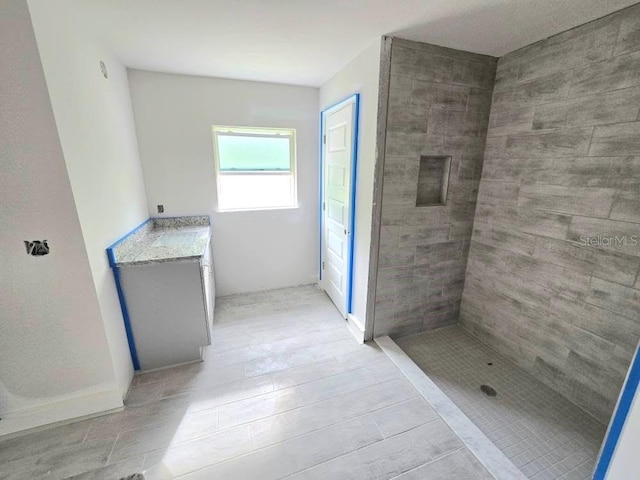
column 54, row 358
column 96, row 128
column 254, row 250
column 361, row 75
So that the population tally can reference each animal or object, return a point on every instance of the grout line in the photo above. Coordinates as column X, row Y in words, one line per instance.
column 248, row 431
column 113, row 447
column 314, row 345
column 593, row 131
column 429, row 462
column 270, row 374
column 310, row 404
column 347, row 453
column 248, row 423
column 161, row 422
column 86, row 434
column 333, row 425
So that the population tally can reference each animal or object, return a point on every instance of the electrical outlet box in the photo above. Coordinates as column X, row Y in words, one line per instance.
column 37, row 248
column 160, row 208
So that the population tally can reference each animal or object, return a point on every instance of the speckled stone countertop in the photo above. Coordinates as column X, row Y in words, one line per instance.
column 158, row 240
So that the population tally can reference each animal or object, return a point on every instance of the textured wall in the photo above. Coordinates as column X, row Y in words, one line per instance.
column 360, row 75
column 54, row 357
column 563, row 162
column 174, row 115
column 95, row 123
column 438, row 105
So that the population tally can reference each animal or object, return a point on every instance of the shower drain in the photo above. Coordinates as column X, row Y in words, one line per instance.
column 489, row 391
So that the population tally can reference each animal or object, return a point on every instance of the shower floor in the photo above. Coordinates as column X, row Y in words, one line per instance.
column 541, row 432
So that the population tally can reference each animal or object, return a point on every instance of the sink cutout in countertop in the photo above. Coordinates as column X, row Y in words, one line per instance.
column 175, row 239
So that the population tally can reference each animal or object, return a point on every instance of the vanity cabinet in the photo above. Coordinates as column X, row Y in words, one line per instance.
column 163, row 273
column 170, row 307
column 208, row 289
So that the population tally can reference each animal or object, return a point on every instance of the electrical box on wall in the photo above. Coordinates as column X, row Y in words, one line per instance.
column 37, row 248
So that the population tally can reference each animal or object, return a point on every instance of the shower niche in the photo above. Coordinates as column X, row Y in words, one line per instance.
column 433, row 180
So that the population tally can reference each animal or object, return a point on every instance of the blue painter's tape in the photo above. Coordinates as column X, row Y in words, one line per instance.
column 123, row 304
column 352, row 220
column 127, row 322
column 355, row 98
column 629, row 391
column 321, row 190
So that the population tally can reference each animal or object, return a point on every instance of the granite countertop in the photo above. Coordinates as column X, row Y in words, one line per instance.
column 158, row 240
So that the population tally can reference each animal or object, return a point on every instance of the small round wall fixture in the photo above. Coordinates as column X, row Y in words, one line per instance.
column 489, row 391
column 103, row 69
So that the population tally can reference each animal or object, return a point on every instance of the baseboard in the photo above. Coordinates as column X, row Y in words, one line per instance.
column 64, row 411
column 356, row 328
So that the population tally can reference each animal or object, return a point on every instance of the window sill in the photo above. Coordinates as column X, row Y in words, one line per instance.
column 257, row 209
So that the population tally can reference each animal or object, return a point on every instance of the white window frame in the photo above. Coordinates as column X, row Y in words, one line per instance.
column 266, row 132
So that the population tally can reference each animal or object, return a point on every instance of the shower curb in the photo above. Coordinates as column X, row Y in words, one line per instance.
column 490, row 456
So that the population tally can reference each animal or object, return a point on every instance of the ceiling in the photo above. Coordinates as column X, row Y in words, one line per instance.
column 305, row 42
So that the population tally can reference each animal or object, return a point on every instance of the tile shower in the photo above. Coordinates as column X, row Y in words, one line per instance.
column 510, row 206
column 438, row 112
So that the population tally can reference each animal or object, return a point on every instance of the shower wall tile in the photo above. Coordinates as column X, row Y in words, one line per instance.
column 617, row 139
column 553, row 276
column 564, row 143
column 439, row 104
column 534, row 222
column 615, row 73
column 626, row 206
column 541, row 90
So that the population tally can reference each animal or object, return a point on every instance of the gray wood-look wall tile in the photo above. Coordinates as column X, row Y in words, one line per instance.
column 603, row 172
column 504, row 238
column 439, row 104
column 617, row 139
column 568, row 143
column 611, row 74
column 589, row 260
column 629, row 34
column 498, row 193
column 616, row 298
column 608, row 107
column 626, row 206
column 576, row 200
column 439, row 95
column 623, row 237
column 580, row 46
column 552, row 278
column 535, row 222
column 541, row 90
column 411, row 63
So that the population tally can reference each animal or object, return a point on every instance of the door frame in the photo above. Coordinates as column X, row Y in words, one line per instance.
column 355, row 100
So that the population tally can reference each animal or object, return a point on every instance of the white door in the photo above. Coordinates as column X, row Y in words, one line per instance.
column 338, row 161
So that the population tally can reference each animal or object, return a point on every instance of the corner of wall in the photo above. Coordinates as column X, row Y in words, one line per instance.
column 95, row 123
column 360, row 75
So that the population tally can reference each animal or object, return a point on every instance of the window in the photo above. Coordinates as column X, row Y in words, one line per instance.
column 255, row 167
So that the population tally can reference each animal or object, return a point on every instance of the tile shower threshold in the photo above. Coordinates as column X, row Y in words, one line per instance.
column 490, row 456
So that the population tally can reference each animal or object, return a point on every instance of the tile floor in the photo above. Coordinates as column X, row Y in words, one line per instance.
column 285, row 391
column 541, row 432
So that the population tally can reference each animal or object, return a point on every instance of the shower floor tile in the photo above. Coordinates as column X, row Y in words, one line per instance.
column 541, row 432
